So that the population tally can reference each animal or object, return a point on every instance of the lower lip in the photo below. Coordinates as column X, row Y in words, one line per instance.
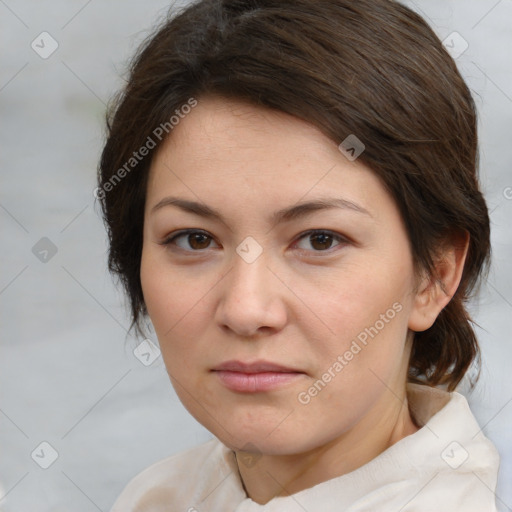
column 255, row 382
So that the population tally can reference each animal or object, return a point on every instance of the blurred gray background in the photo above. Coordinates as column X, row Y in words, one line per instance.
column 68, row 375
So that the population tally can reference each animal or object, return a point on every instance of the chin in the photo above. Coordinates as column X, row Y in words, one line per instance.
column 260, row 438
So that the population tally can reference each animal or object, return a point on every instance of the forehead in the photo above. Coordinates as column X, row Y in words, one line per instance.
column 224, row 129
column 226, row 148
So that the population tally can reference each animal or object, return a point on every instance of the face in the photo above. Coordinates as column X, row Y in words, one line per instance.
column 278, row 277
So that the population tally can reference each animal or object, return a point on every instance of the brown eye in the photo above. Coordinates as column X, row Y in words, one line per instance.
column 318, row 241
column 192, row 240
column 198, row 241
column 321, row 242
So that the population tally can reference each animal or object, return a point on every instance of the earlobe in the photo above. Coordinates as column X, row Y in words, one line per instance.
column 435, row 291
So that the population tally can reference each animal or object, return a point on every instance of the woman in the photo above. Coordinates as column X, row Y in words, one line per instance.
column 291, row 195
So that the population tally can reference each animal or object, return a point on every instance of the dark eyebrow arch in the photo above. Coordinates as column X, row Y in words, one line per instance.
column 288, row 214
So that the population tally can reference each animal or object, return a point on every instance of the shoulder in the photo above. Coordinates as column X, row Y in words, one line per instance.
column 175, row 476
column 454, row 460
column 448, row 423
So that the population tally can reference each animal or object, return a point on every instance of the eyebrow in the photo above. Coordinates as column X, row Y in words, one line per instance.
column 288, row 214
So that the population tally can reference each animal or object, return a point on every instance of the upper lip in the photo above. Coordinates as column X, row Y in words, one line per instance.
column 254, row 367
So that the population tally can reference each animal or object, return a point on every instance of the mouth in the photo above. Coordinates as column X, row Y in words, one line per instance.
column 256, row 377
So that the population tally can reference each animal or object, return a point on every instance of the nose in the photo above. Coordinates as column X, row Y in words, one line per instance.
column 251, row 300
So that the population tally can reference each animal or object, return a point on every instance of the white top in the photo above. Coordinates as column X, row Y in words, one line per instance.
column 448, row 465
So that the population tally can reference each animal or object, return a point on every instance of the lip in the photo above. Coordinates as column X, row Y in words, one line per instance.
column 254, row 367
column 255, row 377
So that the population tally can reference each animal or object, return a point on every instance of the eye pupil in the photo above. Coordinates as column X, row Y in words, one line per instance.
column 198, row 241
column 323, row 240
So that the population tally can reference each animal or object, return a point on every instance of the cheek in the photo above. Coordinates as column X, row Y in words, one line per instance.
column 364, row 311
column 169, row 295
column 357, row 296
column 179, row 309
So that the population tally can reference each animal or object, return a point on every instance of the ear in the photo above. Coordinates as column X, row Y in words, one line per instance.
column 434, row 292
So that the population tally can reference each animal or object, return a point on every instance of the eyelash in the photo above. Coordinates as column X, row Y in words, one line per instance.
column 342, row 241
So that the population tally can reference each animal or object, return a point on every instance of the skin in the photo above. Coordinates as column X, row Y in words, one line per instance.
column 298, row 304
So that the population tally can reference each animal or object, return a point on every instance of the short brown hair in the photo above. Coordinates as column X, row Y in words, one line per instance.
column 373, row 68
